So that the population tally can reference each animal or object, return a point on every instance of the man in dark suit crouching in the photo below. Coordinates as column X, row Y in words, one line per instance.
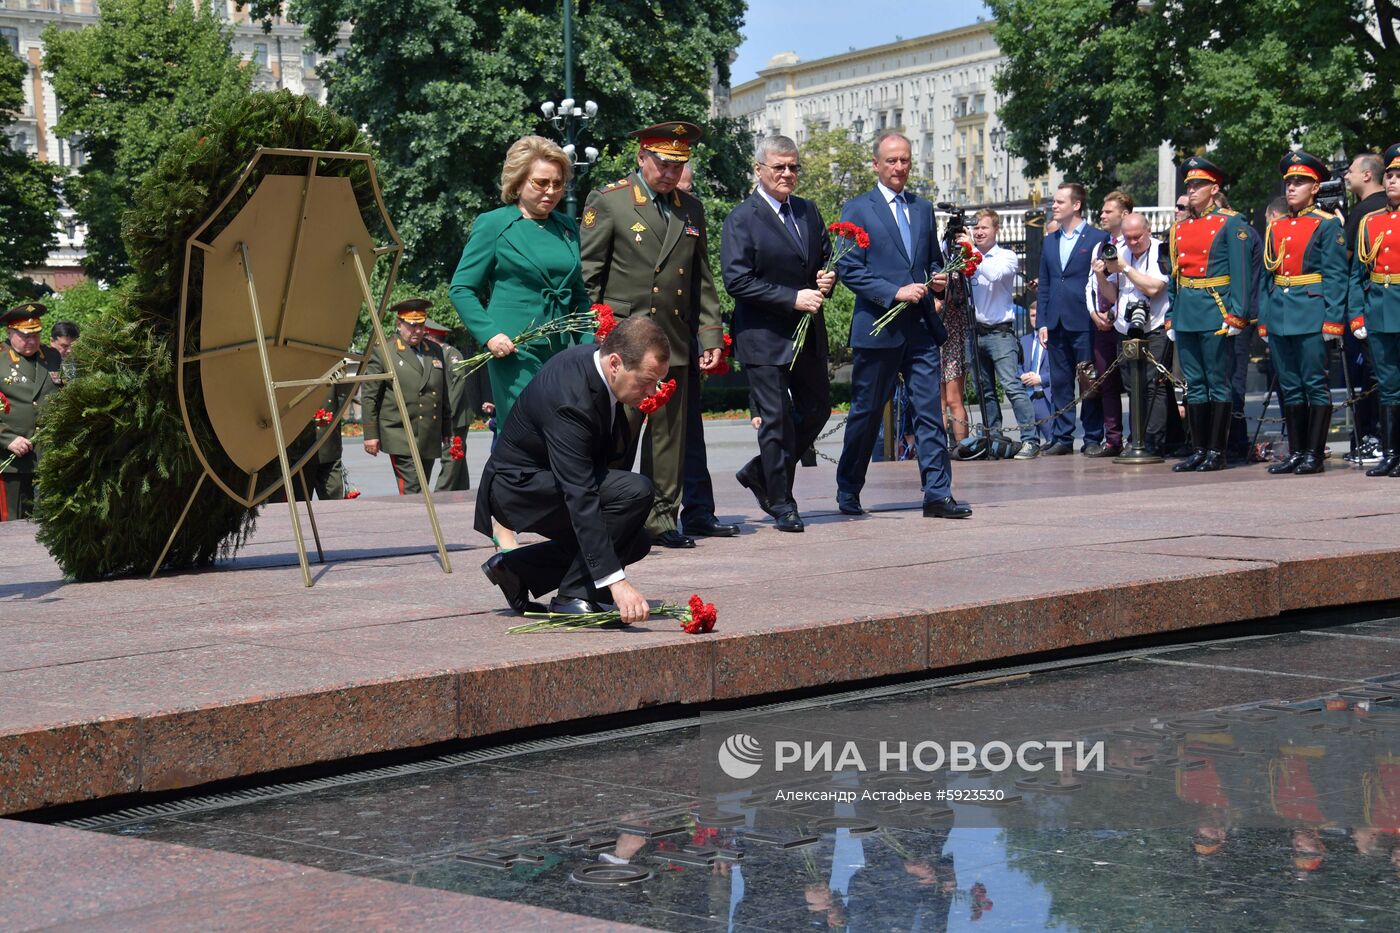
column 549, row 474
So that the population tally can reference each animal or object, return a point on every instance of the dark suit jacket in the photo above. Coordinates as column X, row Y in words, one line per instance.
column 561, row 424
column 764, row 267
column 877, row 273
column 1060, row 297
column 1029, row 344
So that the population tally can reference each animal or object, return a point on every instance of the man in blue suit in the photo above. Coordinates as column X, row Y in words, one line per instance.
column 1035, row 376
column 773, row 251
column 903, row 260
column 1065, row 326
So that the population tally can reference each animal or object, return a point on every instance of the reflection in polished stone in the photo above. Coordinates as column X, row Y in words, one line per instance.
column 1239, row 786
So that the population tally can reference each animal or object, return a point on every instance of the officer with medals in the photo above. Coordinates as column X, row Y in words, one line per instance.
column 1302, row 305
column 1210, row 302
column 32, row 373
column 1375, row 307
column 643, row 246
column 422, row 376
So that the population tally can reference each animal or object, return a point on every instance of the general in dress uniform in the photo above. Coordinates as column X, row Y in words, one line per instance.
column 1303, row 303
column 1375, row 307
column 1210, row 301
column 422, row 375
column 32, row 375
column 644, row 249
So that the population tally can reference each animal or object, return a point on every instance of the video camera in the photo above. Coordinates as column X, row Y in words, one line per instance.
column 957, row 221
column 1332, row 193
column 1138, row 314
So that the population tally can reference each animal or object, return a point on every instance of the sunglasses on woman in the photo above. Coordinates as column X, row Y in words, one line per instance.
column 546, row 185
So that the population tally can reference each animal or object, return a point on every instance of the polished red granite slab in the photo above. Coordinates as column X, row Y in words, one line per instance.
column 67, row 879
column 132, row 685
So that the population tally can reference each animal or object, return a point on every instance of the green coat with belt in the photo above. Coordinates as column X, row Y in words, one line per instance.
column 1310, row 243
column 516, row 272
column 423, row 378
column 638, row 262
column 28, row 383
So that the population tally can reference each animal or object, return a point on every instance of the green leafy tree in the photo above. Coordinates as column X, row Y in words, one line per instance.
column 127, row 86
column 444, row 87
column 1091, row 85
column 28, row 192
column 86, row 304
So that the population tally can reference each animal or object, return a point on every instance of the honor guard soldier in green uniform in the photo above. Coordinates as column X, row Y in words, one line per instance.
column 644, row 250
column 454, row 475
column 32, row 374
column 1375, row 307
column 1303, row 304
column 422, row 374
column 1210, row 302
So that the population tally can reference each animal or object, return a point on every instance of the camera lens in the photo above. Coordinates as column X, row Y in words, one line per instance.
column 1109, row 253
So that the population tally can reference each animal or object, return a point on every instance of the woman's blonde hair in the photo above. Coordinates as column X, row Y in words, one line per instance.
column 521, row 157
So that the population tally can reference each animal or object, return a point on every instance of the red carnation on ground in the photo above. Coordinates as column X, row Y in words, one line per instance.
column 652, row 403
column 606, row 321
column 353, row 494
column 321, row 417
column 696, row 618
column 457, row 451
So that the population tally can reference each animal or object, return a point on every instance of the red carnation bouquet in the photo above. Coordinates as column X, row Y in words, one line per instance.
column 322, row 417
column 696, row 617
column 664, row 391
column 594, row 320
column 725, row 352
column 457, row 451
column 847, row 237
column 964, row 261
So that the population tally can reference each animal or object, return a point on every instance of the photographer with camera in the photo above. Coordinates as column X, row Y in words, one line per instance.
column 1105, row 339
column 1132, row 285
column 997, row 349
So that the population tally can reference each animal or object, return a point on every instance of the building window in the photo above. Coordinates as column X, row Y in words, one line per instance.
column 308, row 57
column 260, row 54
column 11, row 35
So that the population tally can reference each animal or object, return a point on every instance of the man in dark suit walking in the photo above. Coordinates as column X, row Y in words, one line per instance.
column 899, row 266
column 1066, row 329
column 548, row 474
column 773, row 250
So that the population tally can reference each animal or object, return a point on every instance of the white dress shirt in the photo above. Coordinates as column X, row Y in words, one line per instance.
column 611, row 578
column 991, row 286
column 1148, row 264
column 889, row 195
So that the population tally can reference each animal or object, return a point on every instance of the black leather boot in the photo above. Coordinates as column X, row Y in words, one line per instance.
column 1198, row 420
column 1319, row 420
column 1220, row 413
column 1390, row 457
column 1296, row 417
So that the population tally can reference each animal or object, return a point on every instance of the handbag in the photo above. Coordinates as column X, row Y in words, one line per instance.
column 1086, row 375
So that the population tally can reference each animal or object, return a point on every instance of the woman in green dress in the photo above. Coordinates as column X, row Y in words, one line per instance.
column 521, row 267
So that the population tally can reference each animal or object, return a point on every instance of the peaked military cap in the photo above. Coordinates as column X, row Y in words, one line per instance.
column 1391, row 157
column 670, row 141
column 433, row 327
column 1301, row 164
column 24, row 317
column 1199, row 168
column 412, row 310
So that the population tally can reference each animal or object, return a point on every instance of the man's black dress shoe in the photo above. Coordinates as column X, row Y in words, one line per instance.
column 1057, row 450
column 947, row 507
column 758, row 492
column 576, row 606
column 1093, row 449
column 710, row 528
column 512, row 586
column 790, row 521
column 1105, row 450
column 849, row 505
column 673, row 538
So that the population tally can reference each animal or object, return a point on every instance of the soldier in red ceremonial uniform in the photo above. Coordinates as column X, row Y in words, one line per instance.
column 1375, row 307
column 1302, row 306
column 1210, row 303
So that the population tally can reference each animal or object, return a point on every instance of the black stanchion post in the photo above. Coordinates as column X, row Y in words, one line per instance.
column 1136, row 450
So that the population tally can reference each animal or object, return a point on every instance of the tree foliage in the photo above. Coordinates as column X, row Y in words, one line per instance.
column 444, row 87
column 28, row 191
column 1091, row 84
column 146, row 71
column 117, row 466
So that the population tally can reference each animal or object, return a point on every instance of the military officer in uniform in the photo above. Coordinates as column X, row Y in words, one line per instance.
column 454, row 475
column 644, row 250
column 1303, row 304
column 1375, row 307
column 422, row 375
column 1210, row 304
column 32, row 374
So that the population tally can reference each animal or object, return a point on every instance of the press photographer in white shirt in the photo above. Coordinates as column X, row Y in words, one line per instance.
column 997, row 347
column 1140, row 272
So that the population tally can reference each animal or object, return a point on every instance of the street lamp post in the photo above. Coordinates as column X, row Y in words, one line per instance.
column 998, row 138
column 570, row 120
